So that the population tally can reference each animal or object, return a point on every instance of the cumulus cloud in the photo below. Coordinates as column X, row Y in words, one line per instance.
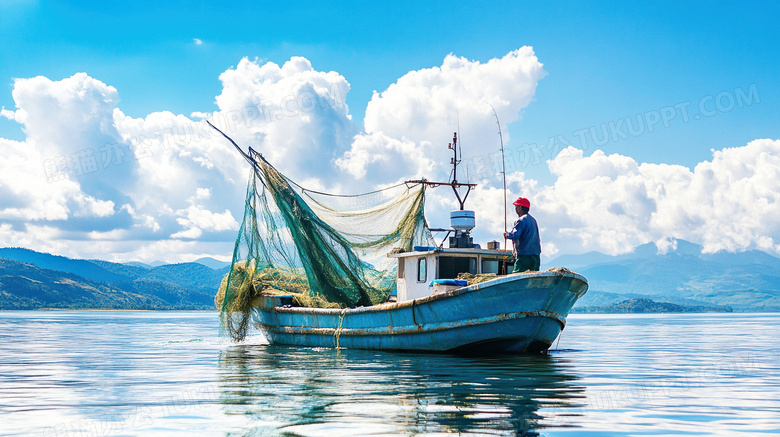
column 85, row 171
column 26, row 195
column 190, row 234
column 43, row 238
column 197, row 219
column 97, row 175
column 422, row 102
column 64, row 116
column 296, row 116
column 728, row 203
column 69, row 127
column 600, row 200
column 611, row 203
column 90, row 181
column 422, row 109
column 384, row 157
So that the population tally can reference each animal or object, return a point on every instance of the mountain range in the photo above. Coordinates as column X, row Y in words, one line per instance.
column 684, row 276
column 744, row 281
column 30, row 280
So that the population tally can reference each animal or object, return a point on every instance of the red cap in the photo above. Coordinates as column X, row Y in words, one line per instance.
column 522, row 201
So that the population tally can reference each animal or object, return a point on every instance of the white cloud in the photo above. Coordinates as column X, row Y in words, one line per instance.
column 26, row 193
column 729, row 203
column 421, row 102
column 599, row 200
column 197, row 41
column 11, row 115
column 294, row 115
column 89, row 169
column 191, row 233
column 171, row 250
column 65, row 116
column 199, row 217
column 166, row 186
column 612, row 204
column 666, row 245
column 149, row 222
column 410, row 123
column 382, row 157
column 202, row 193
column 91, row 207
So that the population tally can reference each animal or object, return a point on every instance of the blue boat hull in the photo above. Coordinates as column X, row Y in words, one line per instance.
column 511, row 314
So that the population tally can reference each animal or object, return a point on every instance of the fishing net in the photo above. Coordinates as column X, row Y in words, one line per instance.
column 325, row 250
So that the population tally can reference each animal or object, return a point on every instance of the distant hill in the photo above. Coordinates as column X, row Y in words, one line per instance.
column 212, row 263
column 125, row 271
column 745, row 281
column 138, row 264
column 644, row 305
column 87, row 269
column 25, row 286
column 206, row 261
column 187, row 275
column 130, row 286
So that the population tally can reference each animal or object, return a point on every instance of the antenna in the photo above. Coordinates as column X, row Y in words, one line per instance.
column 455, row 157
column 503, row 167
column 460, row 148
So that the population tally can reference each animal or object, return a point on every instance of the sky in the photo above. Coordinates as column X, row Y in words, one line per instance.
column 623, row 122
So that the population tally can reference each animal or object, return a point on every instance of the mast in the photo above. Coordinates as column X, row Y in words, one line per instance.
column 462, row 221
column 455, row 161
column 454, row 182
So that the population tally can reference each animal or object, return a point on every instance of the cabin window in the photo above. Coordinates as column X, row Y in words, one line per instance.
column 490, row 266
column 422, row 270
column 450, row 266
column 401, row 264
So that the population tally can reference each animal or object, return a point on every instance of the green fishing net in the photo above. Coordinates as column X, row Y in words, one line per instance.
column 325, row 250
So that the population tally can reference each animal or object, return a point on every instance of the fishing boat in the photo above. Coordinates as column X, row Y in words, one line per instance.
column 431, row 309
column 515, row 313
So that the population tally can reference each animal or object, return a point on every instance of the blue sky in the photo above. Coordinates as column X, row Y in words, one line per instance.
column 605, row 60
column 603, row 64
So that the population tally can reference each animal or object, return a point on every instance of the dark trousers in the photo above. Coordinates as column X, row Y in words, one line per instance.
column 526, row 262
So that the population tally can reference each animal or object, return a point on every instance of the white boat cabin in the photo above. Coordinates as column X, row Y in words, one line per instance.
column 417, row 269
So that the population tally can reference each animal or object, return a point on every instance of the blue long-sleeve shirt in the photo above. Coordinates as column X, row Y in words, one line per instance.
column 525, row 236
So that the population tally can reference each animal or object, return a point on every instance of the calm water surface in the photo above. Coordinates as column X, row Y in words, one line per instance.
column 74, row 373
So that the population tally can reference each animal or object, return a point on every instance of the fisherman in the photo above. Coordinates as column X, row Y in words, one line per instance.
column 525, row 238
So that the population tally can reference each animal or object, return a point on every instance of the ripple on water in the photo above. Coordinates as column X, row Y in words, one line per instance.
column 149, row 373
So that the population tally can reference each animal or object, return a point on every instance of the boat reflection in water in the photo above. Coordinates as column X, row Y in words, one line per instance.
column 326, row 392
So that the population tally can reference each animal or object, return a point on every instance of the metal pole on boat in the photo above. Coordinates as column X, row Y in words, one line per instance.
column 503, row 167
column 455, row 161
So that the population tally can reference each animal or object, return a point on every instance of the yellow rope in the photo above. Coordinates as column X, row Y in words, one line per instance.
column 338, row 330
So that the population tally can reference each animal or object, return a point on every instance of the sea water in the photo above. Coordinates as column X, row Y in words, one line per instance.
column 95, row 373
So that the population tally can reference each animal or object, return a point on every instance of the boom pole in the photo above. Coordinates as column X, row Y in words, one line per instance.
column 503, row 167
